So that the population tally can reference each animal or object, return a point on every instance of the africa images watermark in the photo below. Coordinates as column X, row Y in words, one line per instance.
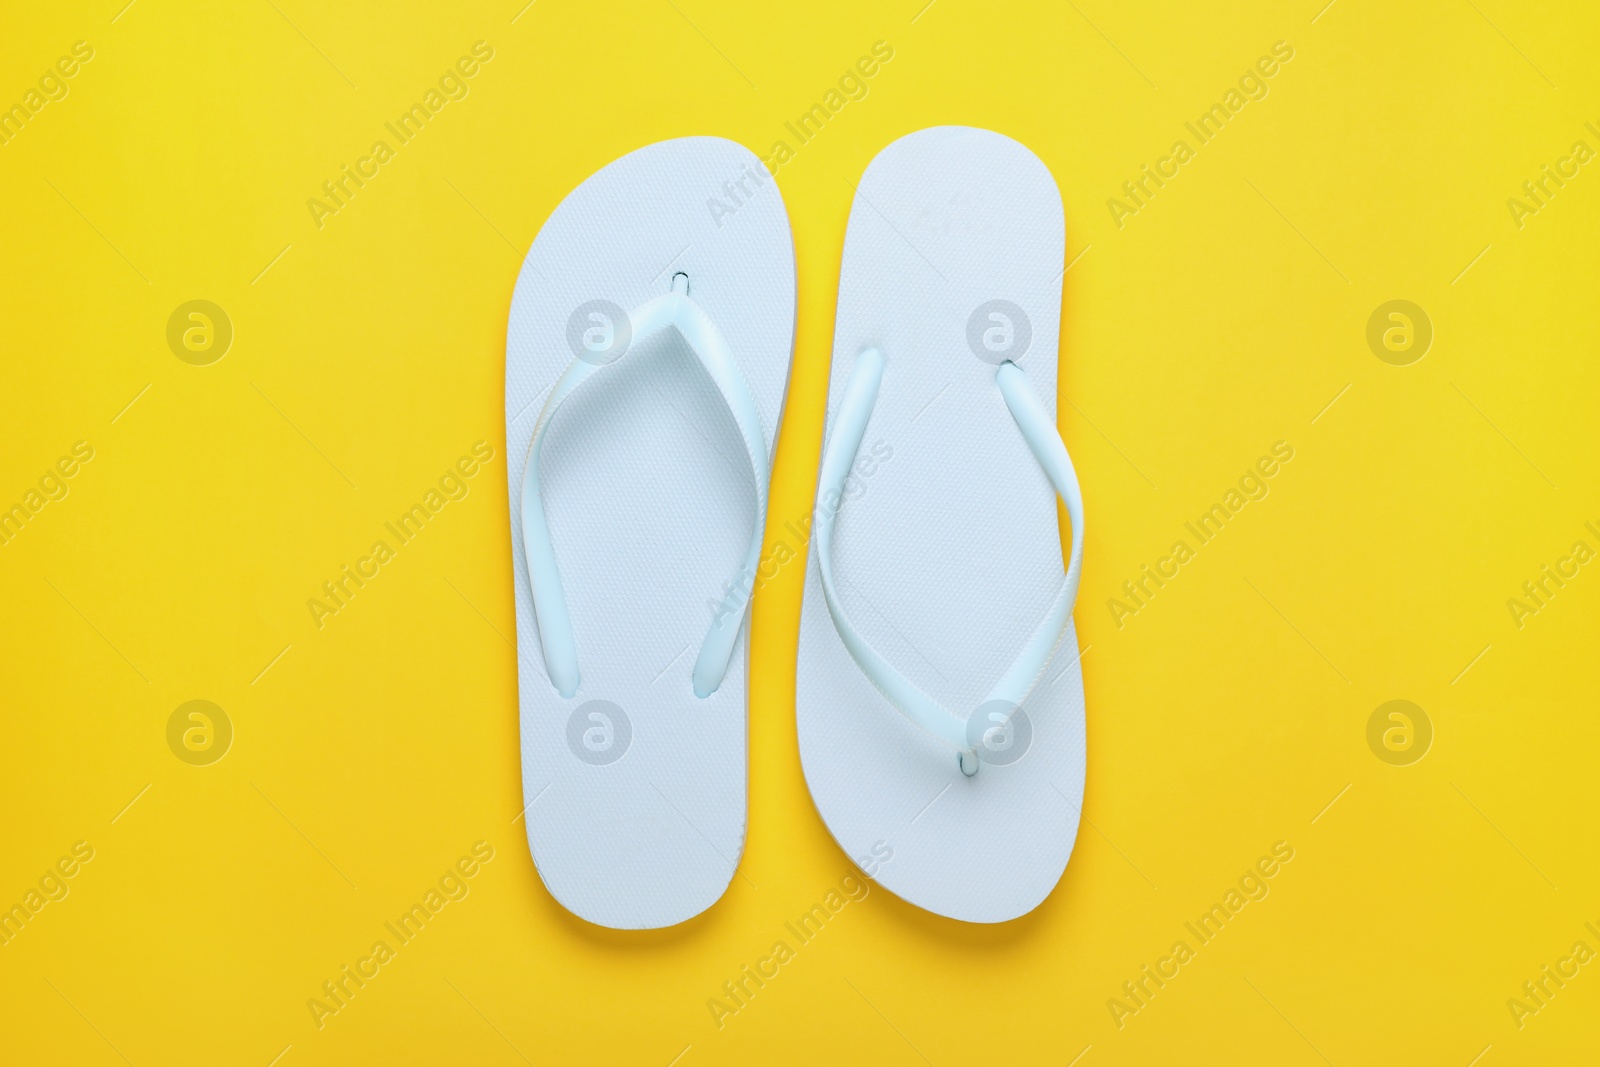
column 735, row 193
column 1140, row 990
column 852, row 85
column 1252, row 85
column 739, row 190
column 1538, row 591
column 739, row 991
column 52, row 486
column 54, row 885
column 453, row 485
column 1539, row 190
column 343, row 187
column 1253, row 485
column 51, row 88
column 1538, row 991
column 452, row 885
column 737, row 592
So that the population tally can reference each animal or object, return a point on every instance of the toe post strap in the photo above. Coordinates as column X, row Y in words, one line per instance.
column 1022, row 675
column 672, row 310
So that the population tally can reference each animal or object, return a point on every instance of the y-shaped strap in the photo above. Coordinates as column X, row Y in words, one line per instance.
column 860, row 394
column 676, row 310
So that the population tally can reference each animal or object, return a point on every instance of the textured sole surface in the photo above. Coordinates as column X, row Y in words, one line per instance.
column 948, row 550
column 635, row 789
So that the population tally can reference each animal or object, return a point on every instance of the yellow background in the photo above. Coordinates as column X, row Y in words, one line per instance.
column 1225, row 716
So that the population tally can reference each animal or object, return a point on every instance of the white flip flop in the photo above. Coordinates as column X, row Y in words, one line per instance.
column 941, row 723
column 638, row 501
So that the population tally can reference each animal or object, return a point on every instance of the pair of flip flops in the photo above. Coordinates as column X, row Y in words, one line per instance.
column 939, row 701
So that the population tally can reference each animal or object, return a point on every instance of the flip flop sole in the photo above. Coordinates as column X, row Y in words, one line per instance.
column 947, row 545
column 635, row 788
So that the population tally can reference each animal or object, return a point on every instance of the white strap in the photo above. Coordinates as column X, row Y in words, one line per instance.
column 860, row 394
column 676, row 310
